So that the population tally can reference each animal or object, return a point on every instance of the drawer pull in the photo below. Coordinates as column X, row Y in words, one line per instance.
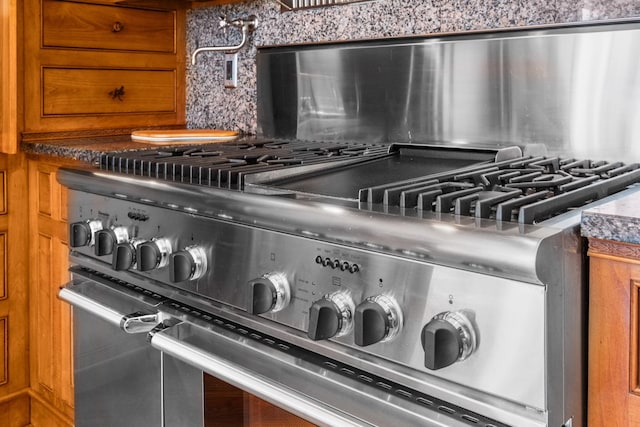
column 117, row 93
column 117, row 27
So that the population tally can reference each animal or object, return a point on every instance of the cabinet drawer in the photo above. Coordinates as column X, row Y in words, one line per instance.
column 107, row 91
column 89, row 26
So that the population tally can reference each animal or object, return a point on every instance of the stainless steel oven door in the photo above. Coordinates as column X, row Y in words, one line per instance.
column 119, row 379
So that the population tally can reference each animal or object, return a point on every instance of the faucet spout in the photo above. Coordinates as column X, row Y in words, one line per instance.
column 247, row 26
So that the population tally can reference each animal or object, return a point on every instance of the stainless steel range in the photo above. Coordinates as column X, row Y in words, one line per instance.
column 350, row 282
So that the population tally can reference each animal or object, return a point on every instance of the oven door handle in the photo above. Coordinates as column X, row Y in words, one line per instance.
column 88, row 295
column 261, row 387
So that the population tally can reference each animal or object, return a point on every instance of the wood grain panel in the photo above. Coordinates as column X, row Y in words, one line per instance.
column 51, row 318
column 81, row 91
column 604, row 248
column 4, row 350
column 3, row 192
column 45, row 415
column 15, row 412
column 75, row 25
column 45, row 321
column 4, row 270
column 45, row 192
column 614, row 296
column 10, row 12
column 634, row 379
column 223, row 403
column 259, row 413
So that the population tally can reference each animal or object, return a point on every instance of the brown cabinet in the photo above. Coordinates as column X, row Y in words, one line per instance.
column 614, row 320
column 51, row 337
column 95, row 26
column 98, row 67
column 14, row 367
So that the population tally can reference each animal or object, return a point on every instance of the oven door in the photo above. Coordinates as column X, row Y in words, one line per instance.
column 119, row 379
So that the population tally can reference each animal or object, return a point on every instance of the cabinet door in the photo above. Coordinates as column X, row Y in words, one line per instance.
column 51, row 319
column 14, row 368
column 614, row 317
column 95, row 68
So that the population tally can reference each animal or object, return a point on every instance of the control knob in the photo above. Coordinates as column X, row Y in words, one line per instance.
column 124, row 255
column 82, row 233
column 153, row 254
column 377, row 319
column 269, row 293
column 448, row 338
column 331, row 316
column 187, row 264
column 107, row 239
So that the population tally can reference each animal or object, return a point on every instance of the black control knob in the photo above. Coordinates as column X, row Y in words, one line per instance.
column 124, row 257
column 153, row 254
column 330, row 316
column 449, row 337
column 269, row 293
column 107, row 239
column 105, row 242
column 82, row 233
column 188, row 264
column 377, row 319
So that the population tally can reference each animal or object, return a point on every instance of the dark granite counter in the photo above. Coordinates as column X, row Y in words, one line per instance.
column 618, row 220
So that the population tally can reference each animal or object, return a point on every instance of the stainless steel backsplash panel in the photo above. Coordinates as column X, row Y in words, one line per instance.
column 575, row 90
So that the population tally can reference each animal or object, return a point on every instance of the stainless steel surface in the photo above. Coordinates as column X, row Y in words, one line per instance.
column 312, row 392
column 246, row 25
column 289, row 5
column 421, row 287
column 117, row 379
column 520, row 252
column 120, row 380
column 571, row 89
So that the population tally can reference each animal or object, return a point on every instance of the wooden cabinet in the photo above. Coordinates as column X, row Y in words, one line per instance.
column 98, row 67
column 14, row 368
column 51, row 319
column 10, row 79
column 614, row 320
column 228, row 406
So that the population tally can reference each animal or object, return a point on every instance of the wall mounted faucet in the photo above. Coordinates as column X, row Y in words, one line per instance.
column 246, row 25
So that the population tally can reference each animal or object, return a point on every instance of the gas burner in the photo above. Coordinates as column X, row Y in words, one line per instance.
column 526, row 190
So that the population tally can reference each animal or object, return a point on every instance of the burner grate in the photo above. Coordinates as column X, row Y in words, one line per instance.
column 225, row 165
column 527, row 190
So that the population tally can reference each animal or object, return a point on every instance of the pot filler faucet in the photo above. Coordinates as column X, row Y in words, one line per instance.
column 246, row 25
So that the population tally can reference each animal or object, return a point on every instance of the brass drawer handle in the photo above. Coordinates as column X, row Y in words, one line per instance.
column 117, row 93
column 117, row 27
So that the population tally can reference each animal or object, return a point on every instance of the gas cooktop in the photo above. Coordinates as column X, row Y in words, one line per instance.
column 403, row 179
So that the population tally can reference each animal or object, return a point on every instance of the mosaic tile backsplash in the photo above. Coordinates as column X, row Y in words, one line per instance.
column 211, row 105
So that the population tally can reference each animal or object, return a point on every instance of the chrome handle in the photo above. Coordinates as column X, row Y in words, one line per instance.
column 137, row 323
column 97, row 309
column 242, row 378
column 134, row 323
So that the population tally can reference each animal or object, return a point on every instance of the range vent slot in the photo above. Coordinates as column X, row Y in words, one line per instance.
column 288, row 5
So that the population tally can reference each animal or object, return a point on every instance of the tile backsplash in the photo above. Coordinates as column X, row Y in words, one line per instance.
column 211, row 105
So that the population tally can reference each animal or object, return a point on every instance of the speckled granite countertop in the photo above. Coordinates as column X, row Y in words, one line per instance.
column 618, row 220
column 89, row 149
column 83, row 149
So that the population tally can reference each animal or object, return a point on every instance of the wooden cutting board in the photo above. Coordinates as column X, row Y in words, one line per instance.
column 183, row 136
